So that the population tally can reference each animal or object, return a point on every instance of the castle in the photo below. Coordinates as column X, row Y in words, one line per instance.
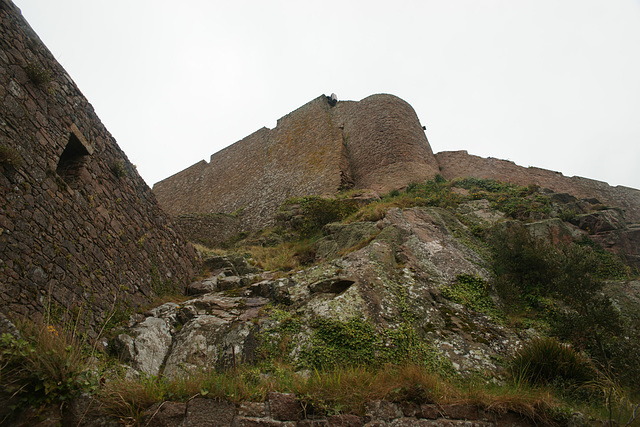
column 81, row 234
column 375, row 144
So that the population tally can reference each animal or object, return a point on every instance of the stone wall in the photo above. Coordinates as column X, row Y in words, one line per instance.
column 80, row 231
column 377, row 143
column 459, row 164
column 284, row 409
column 209, row 229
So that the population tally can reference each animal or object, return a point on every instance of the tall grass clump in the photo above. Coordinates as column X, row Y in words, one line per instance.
column 47, row 364
column 284, row 256
column 546, row 361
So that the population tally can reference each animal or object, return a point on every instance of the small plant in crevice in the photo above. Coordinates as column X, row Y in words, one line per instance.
column 38, row 74
column 10, row 157
column 118, row 169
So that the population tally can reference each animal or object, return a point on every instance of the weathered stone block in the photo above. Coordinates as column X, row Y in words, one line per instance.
column 209, row 413
column 260, row 422
column 252, row 409
column 284, row 407
column 166, row 414
column 382, row 410
column 344, row 420
column 461, row 412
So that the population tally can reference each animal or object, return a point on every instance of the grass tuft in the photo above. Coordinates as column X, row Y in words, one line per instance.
column 546, row 361
column 48, row 364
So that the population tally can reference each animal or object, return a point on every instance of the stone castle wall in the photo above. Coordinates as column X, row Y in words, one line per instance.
column 377, row 143
column 460, row 164
column 80, row 231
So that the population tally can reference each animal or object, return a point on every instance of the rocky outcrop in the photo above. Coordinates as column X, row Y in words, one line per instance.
column 396, row 274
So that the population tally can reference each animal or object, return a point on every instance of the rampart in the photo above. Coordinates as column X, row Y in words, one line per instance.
column 460, row 164
column 80, row 232
column 377, row 143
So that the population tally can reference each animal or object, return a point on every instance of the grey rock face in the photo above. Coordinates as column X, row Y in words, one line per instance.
column 146, row 345
column 385, row 271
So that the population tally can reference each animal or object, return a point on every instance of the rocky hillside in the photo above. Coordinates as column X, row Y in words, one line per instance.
column 457, row 278
column 406, row 276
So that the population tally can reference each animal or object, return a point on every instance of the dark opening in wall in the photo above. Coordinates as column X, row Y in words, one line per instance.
column 74, row 158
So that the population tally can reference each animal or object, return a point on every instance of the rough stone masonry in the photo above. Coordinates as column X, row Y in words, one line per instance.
column 377, row 143
column 81, row 234
column 374, row 144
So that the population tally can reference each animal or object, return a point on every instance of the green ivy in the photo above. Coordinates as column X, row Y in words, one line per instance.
column 473, row 293
column 277, row 339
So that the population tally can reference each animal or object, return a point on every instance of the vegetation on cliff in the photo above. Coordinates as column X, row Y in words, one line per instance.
column 381, row 297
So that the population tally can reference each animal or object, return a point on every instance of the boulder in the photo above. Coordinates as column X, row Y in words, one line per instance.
column 203, row 286
column 146, row 345
column 600, row 221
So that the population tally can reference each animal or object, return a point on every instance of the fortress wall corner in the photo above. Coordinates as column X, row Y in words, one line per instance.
column 79, row 228
column 175, row 192
column 377, row 143
column 303, row 155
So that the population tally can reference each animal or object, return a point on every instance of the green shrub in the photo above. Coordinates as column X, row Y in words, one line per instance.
column 318, row 211
column 490, row 185
column 546, row 361
column 524, row 266
column 609, row 266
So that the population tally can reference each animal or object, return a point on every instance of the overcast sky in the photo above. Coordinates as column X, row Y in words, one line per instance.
column 547, row 83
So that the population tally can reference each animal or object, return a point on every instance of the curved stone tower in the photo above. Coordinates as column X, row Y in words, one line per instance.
column 386, row 145
column 377, row 143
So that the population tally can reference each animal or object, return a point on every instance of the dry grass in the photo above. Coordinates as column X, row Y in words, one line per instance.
column 285, row 256
column 281, row 257
column 343, row 390
column 48, row 364
column 348, row 389
column 205, row 251
column 357, row 246
column 535, row 404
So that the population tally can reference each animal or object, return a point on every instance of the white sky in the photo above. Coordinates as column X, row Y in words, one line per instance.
column 547, row 83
